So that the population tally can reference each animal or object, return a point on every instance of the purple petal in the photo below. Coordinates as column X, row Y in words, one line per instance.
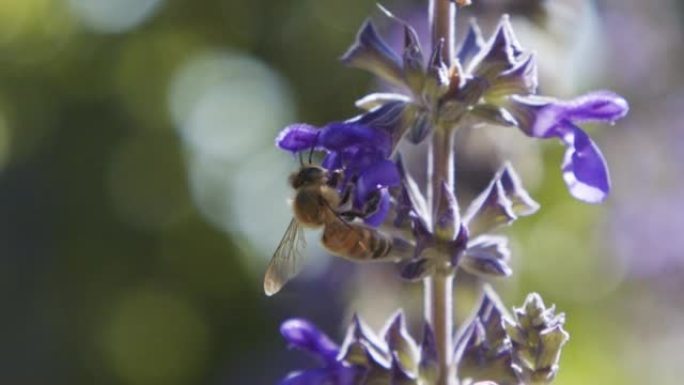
column 584, row 169
column 332, row 161
column 378, row 216
column 602, row 106
column 306, row 336
column 340, row 136
column 389, row 117
column 381, row 174
column 297, row 137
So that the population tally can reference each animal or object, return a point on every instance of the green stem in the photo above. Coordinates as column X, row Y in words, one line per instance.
column 438, row 289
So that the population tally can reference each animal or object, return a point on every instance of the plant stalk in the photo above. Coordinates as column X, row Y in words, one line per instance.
column 438, row 288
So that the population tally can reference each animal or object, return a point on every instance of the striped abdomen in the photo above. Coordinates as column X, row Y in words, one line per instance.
column 355, row 242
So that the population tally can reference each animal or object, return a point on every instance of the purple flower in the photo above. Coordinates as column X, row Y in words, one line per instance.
column 364, row 358
column 304, row 335
column 361, row 152
column 584, row 168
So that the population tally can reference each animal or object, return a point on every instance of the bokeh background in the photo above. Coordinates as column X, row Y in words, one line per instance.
column 141, row 196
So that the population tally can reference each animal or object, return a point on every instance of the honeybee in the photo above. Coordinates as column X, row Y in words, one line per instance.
column 314, row 205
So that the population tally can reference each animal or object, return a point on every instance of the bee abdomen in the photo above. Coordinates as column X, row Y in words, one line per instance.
column 355, row 242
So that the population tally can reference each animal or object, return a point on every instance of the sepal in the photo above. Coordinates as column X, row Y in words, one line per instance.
column 501, row 53
column 438, row 77
column 487, row 256
column 374, row 100
column 493, row 114
column 521, row 79
column 483, row 350
column 412, row 56
column 448, row 221
column 471, row 45
column 428, row 368
column 362, row 348
column 521, row 201
column 401, row 346
column 370, row 52
column 503, row 201
column 490, row 209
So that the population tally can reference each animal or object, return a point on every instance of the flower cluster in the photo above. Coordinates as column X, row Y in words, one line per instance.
column 492, row 349
column 524, row 349
column 492, row 82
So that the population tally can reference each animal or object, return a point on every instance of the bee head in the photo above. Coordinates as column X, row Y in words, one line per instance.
column 308, row 175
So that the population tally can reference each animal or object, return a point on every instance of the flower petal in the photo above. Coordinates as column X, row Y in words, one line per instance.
column 601, row 106
column 340, row 136
column 393, row 117
column 381, row 174
column 305, row 335
column 584, row 168
column 546, row 117
column 371, row 53
column 376, row 218
column 297, row 137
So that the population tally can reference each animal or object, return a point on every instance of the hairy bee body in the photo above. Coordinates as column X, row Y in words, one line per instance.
column 355, row 242
column 312, row 205
column 315, row 205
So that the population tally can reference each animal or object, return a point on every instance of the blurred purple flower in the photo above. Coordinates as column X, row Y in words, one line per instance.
column 304, row 335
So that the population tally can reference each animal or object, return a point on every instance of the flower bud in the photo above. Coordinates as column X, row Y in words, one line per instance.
column 537, row 337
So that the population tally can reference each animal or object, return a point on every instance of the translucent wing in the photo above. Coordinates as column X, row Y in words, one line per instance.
column 287, row 259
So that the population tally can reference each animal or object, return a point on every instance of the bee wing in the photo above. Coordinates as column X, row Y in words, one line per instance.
column 287, row 259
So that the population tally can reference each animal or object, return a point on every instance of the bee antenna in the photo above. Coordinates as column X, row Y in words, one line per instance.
column 301, row 159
